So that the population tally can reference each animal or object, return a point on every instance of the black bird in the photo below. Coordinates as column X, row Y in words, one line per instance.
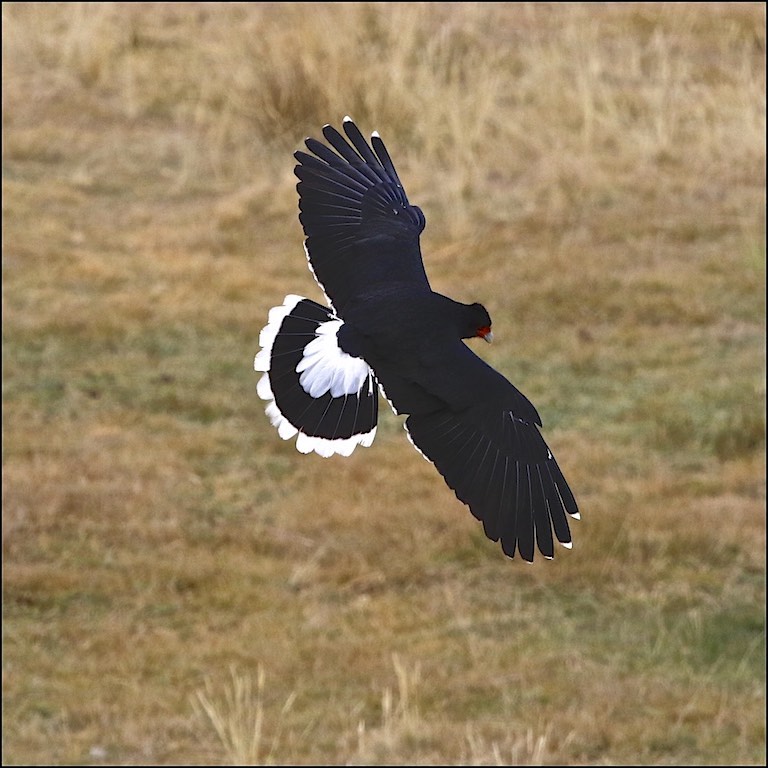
column 386, row 328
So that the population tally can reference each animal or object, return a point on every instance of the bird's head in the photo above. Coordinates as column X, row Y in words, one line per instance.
column 478, row 323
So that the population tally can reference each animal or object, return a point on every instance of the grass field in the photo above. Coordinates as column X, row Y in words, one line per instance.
column 182, row 587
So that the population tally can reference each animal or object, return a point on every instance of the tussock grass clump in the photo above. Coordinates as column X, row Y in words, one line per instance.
column 237, row 716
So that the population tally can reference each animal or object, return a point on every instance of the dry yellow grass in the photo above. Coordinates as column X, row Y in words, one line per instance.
column 180, row 586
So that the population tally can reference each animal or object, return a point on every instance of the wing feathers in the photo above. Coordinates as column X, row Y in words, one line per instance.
column 503, row 470
column 541, row 517
column 361, row 145
column 384, row 158
column 341, row 145
column 374, row 239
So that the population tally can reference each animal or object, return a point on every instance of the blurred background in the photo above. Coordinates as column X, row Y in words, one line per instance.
column 181, row 586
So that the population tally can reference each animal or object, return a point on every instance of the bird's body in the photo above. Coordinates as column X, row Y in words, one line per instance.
column 386, row 326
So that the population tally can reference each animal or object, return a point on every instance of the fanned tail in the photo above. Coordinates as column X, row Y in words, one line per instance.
column 316, row 391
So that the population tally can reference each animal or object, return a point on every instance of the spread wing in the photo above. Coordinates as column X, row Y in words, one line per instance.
column 361, row 231
column 499, row 465
column 482, row 435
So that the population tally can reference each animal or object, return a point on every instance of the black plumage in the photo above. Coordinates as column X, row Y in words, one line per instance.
column 386, row 323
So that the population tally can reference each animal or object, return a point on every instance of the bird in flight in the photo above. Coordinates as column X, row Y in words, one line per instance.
column 385, row 329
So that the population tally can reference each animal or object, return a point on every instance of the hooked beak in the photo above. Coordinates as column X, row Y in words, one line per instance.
column 486, row 334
